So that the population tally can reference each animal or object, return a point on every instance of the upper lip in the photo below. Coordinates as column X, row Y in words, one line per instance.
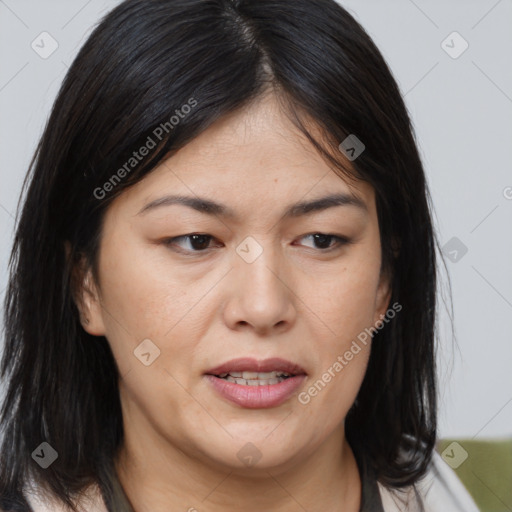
column 249, row 364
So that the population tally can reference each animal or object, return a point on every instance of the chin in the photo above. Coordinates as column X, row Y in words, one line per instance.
column 254, row 455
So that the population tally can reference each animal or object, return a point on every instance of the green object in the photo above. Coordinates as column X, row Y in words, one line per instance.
column 485, row 469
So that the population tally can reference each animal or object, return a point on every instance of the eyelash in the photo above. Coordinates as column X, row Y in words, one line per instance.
column 340, row 241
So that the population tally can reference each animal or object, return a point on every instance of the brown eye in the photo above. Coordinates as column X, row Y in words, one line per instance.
column 196, row 242
column 324, row 241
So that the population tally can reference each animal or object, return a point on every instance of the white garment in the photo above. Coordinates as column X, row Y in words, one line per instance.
column 440, row 489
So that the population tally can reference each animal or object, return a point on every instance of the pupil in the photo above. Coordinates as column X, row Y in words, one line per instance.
column 321, row 239
column 201, row 238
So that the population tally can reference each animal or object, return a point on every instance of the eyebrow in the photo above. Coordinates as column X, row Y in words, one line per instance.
column 299, row 209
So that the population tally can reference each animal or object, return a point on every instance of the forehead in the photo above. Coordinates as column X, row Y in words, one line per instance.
column 252, row 158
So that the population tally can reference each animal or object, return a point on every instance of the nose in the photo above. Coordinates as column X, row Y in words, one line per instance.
column 260, row 296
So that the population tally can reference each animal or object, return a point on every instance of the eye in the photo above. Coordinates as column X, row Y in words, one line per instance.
column 324, row 241
column 197, row 242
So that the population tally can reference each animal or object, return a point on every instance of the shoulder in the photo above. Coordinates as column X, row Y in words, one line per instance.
column 439, row 489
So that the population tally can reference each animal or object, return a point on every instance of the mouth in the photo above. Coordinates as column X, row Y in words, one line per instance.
column 251, row 372
column 256, row 384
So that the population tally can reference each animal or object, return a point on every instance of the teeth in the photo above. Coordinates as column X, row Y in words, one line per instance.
column 255, row 378
column 253, row 375
column 256, row 375
column 254, row 382
column 264, row 375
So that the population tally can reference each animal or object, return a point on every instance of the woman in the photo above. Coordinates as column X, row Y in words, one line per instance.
column 222, row 289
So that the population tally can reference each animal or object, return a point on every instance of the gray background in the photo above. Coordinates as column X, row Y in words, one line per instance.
column 462, row 112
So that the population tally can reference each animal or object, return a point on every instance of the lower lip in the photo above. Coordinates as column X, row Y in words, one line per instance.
column 256, row 397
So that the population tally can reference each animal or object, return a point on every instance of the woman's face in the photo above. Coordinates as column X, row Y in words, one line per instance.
column 257, row 285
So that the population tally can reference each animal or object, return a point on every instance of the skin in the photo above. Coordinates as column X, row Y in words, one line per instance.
column 296, row 301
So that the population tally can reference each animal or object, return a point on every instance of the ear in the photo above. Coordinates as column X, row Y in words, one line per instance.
column 86, row 296
column 89, row 306
column 383, row 296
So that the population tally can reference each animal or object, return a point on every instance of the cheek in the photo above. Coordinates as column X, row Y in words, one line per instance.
column 144, row 301
column 143, row 298
column 138, row 301
column 346, row 310
column 345, row 300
